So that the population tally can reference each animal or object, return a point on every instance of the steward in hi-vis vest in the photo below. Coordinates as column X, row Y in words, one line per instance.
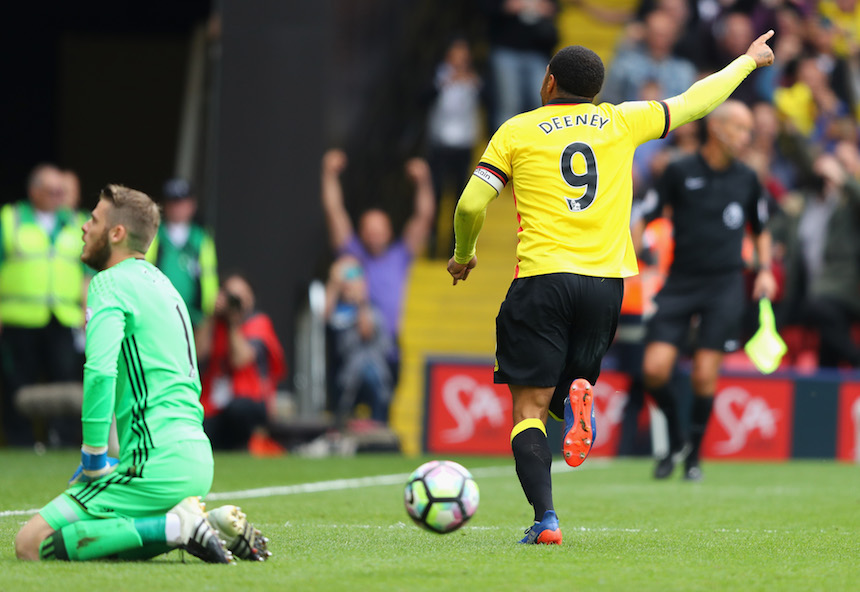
column 41, row 274
column 42, row 282
column 185, row 252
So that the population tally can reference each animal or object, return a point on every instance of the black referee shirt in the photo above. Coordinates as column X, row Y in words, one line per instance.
column 710, row 210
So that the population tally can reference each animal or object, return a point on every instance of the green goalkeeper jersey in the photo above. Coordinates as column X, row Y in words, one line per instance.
column 141, row 363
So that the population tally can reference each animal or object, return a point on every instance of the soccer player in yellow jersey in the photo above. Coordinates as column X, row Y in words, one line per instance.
column 570, row 164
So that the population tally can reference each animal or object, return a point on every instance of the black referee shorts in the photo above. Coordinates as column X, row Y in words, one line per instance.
column 716, row 300
column 554, row 328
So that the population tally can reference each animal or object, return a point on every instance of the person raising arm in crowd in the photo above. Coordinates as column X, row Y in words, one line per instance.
column 385, row 259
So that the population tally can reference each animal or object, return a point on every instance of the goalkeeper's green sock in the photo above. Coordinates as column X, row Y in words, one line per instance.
column 112, row 537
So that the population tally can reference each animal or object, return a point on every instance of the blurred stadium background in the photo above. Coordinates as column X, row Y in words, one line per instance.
column 243, row 98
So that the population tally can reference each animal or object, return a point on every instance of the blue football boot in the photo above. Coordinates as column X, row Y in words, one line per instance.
column 545, row 532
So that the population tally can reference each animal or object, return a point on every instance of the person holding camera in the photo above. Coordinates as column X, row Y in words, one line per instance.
column 242, row 361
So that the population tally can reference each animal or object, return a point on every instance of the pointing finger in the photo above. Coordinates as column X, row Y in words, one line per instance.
column 765, row 37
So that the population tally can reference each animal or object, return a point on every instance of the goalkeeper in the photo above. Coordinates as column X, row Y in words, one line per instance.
column 140, row 367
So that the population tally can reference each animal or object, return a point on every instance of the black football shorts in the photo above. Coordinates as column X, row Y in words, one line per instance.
column 554, row 328
column 717, row 301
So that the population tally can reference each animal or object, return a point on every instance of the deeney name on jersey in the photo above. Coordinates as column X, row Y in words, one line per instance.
column 557, row 123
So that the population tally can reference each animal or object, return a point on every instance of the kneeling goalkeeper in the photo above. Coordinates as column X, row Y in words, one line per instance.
column 141, row 367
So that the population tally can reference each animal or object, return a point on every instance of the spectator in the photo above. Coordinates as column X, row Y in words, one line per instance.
column 767, row 153
column 845, row 18
column 243, row 364
column 808, row 102
column 453, row 126
column 385, row 260
column 651, row 61
column 523, row 36
column 824, row 41
column 72, row 187
column 359, row 343
column 733, row 32
column 185, row 253
column 823, row 261
column 41, row 292
column 694, row 37
column 72, row 201
column 788, row 46
column 848, row 155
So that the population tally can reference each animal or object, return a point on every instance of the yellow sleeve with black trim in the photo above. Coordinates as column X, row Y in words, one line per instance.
column 704, row 96
column 469, row 217
column 646, row 120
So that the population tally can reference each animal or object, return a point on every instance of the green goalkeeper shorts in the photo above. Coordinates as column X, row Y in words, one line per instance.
column 167, row 478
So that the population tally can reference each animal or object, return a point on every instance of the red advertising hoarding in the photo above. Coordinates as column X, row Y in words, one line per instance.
column 468, row 414
column 848, row 423
column 752, row 419
column 610, row 397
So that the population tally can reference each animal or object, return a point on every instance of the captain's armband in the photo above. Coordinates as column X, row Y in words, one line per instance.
column 491, row 175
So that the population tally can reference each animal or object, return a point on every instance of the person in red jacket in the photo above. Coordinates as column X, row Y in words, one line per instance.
column 242, row 361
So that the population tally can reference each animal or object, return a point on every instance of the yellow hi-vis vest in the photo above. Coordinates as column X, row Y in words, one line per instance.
column 39, row 278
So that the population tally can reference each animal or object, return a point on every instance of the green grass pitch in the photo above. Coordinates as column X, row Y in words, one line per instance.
column 755, row 526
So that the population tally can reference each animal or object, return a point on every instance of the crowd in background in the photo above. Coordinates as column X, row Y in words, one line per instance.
column 805, row 150
column 804, row 147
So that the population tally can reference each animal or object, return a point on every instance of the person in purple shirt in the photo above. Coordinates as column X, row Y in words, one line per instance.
column 385, row 258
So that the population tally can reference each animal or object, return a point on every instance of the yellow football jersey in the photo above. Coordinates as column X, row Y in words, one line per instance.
column 571, row 168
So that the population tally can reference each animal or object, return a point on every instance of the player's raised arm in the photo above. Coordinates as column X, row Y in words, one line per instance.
column 703, row 97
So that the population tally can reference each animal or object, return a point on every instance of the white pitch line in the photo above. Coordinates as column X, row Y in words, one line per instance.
column 341, row 484
column 359, row 482
column 17, row 513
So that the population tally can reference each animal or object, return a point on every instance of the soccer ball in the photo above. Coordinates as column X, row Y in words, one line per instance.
column 441, row 496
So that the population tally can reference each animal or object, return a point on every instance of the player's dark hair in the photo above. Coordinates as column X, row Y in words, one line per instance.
column 578, row 71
